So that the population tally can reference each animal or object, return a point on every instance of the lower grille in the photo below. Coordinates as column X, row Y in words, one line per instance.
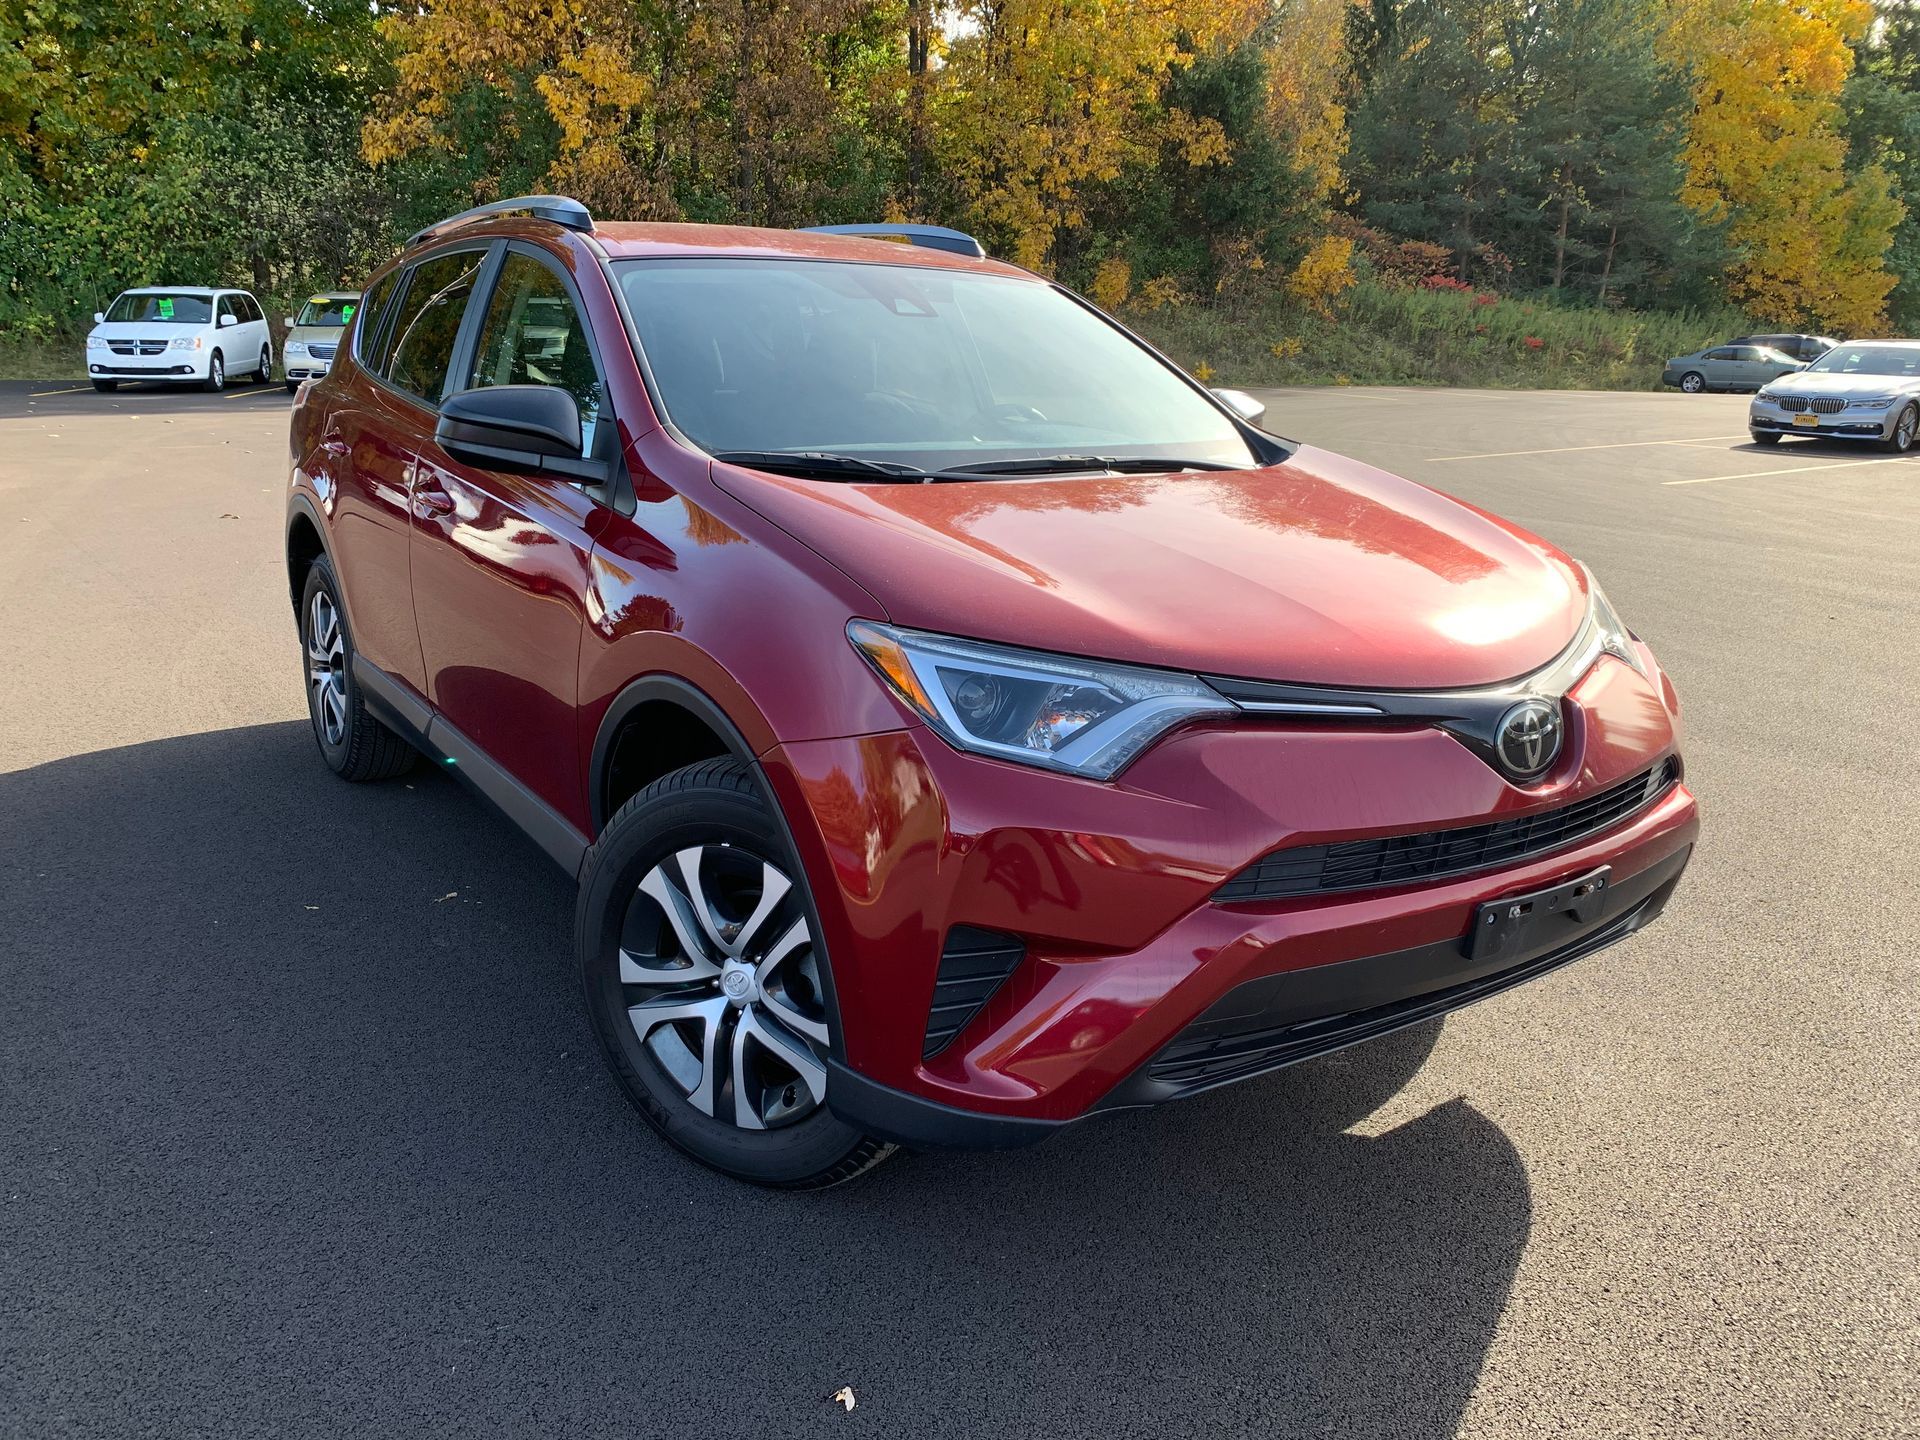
column 1404, row 859
column 1200, row 1058
column 973, row 964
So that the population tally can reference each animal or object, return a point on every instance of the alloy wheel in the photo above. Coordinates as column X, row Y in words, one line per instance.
column 722, row 986
column 1693, row 383
column 1904, row 428
column 217, row 372
column 327, row 667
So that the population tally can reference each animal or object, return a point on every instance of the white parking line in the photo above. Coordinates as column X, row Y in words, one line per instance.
column 42, row 394
column 1568, row 449
column 1789, row 470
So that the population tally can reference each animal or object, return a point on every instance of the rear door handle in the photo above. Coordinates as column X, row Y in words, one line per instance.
column 335, row 448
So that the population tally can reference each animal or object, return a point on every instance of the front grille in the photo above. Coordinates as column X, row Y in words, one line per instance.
column 322, row 352
column 137, row 347
column 973, row 964
column 1404, row 859
column 1799, row 404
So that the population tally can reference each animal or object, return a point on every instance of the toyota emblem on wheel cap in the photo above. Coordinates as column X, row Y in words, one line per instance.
column 1528, row 737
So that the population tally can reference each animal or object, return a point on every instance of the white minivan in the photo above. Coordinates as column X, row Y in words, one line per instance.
column 180, row 332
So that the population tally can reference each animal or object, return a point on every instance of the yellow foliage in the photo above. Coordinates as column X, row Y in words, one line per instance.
column 1161, row 290
column 1765, row 155
column 1111, row 282
column 1324, row 274
column 1203, row 372
column 1305, row 79
column 1290, row 348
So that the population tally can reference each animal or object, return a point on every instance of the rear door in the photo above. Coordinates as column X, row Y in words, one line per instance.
column 377, row 419
column 501, row 561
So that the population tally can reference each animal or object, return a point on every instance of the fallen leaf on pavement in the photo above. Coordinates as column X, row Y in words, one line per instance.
column 843, row 1397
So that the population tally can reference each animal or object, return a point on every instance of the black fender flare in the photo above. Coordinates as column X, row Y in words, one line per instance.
column 690, row 697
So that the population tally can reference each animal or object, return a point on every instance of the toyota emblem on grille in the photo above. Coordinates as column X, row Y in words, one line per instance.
column 1528, row 737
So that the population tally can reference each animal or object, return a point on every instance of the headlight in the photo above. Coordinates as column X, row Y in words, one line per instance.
column 1612, row 635
column 296, row 347
column 1872, row 402
column 95, row 342
column 187, row 342
column 1079, row 716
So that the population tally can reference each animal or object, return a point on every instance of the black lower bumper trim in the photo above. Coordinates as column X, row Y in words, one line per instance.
column 889, row 1114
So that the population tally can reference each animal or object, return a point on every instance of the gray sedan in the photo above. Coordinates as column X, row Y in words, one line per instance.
column 1864, row 391
column 1727, row 367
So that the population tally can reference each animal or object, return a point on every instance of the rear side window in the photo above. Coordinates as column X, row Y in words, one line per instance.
column 427, row 322
column 368, row 343
column 533, row 335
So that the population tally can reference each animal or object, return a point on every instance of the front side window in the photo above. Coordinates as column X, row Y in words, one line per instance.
column 905, row 364
column 428, row 321
column 162, row 309
column 1899, row 360
column 533, row 335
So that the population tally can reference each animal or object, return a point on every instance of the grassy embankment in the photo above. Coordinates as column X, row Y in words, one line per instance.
column 1394, row 336
column 1381, row 336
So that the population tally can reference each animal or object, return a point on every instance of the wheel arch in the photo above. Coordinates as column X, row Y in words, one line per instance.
column 635, row 712
column 306, row 543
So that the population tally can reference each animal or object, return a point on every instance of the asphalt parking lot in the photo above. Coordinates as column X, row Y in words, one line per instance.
column 302, row 1130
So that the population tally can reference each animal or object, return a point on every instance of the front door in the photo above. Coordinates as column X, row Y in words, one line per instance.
column 500, row 561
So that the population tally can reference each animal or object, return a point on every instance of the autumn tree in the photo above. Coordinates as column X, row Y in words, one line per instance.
column 1766, row 156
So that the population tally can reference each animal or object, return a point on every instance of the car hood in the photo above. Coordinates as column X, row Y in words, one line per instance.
column 1319, row 570
column 145, row 329
column 1820, row 382
column 316, row 334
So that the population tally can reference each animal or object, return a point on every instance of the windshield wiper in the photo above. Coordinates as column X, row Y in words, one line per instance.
column 1066, row 464
column 818, row 462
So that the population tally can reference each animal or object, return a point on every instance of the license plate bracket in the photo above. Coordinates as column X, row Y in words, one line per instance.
column 1519, row 924
column 1807, row 421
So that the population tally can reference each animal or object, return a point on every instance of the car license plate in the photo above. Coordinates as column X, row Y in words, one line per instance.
column 1807, row 422
column 1519, row 925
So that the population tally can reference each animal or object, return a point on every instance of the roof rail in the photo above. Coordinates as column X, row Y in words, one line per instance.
column 933, row 237
column 560, row 209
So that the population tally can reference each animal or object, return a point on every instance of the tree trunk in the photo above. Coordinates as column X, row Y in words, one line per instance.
column 1560, row 243
column 1606, row 270
column 919, row 45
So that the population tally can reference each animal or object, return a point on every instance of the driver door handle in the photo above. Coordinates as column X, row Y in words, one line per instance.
column 429, row 503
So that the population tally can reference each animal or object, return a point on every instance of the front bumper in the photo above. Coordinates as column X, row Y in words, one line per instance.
column 119, row 367
column 1110, row 891
column 1842, row 425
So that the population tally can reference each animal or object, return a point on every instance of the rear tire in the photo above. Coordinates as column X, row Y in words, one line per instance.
column 354, row 744
column 1904, row 429
column 106, row 387
column 1693, row 382
column 1765, row 437
column 216, row 380
column 716, row 1027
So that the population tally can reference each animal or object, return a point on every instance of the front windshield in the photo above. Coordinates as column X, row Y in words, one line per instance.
column 905, row 364
column 1901, row 360
column 148, row 306
column 328, row 310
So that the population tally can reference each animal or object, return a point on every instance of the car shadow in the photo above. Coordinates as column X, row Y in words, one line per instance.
column 309, row 1136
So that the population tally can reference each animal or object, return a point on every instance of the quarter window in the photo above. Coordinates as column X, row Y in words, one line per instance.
column 533, row 335
column 428, row 321
column 367, row 339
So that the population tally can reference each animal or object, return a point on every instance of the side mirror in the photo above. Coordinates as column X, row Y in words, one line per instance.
column 520, row 429
column 290, row 322
column 226, row 320
column 1242, row 404
column 99, row 317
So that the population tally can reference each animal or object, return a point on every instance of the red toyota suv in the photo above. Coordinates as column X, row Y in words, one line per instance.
column 959, row 720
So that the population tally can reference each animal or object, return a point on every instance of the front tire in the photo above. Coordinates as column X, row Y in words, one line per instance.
column 106, row 387
column 354, row 744
column 704, row 983
column 1765, row 437
column 1904, row 430
column 1693, row 382
column 216, row 380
